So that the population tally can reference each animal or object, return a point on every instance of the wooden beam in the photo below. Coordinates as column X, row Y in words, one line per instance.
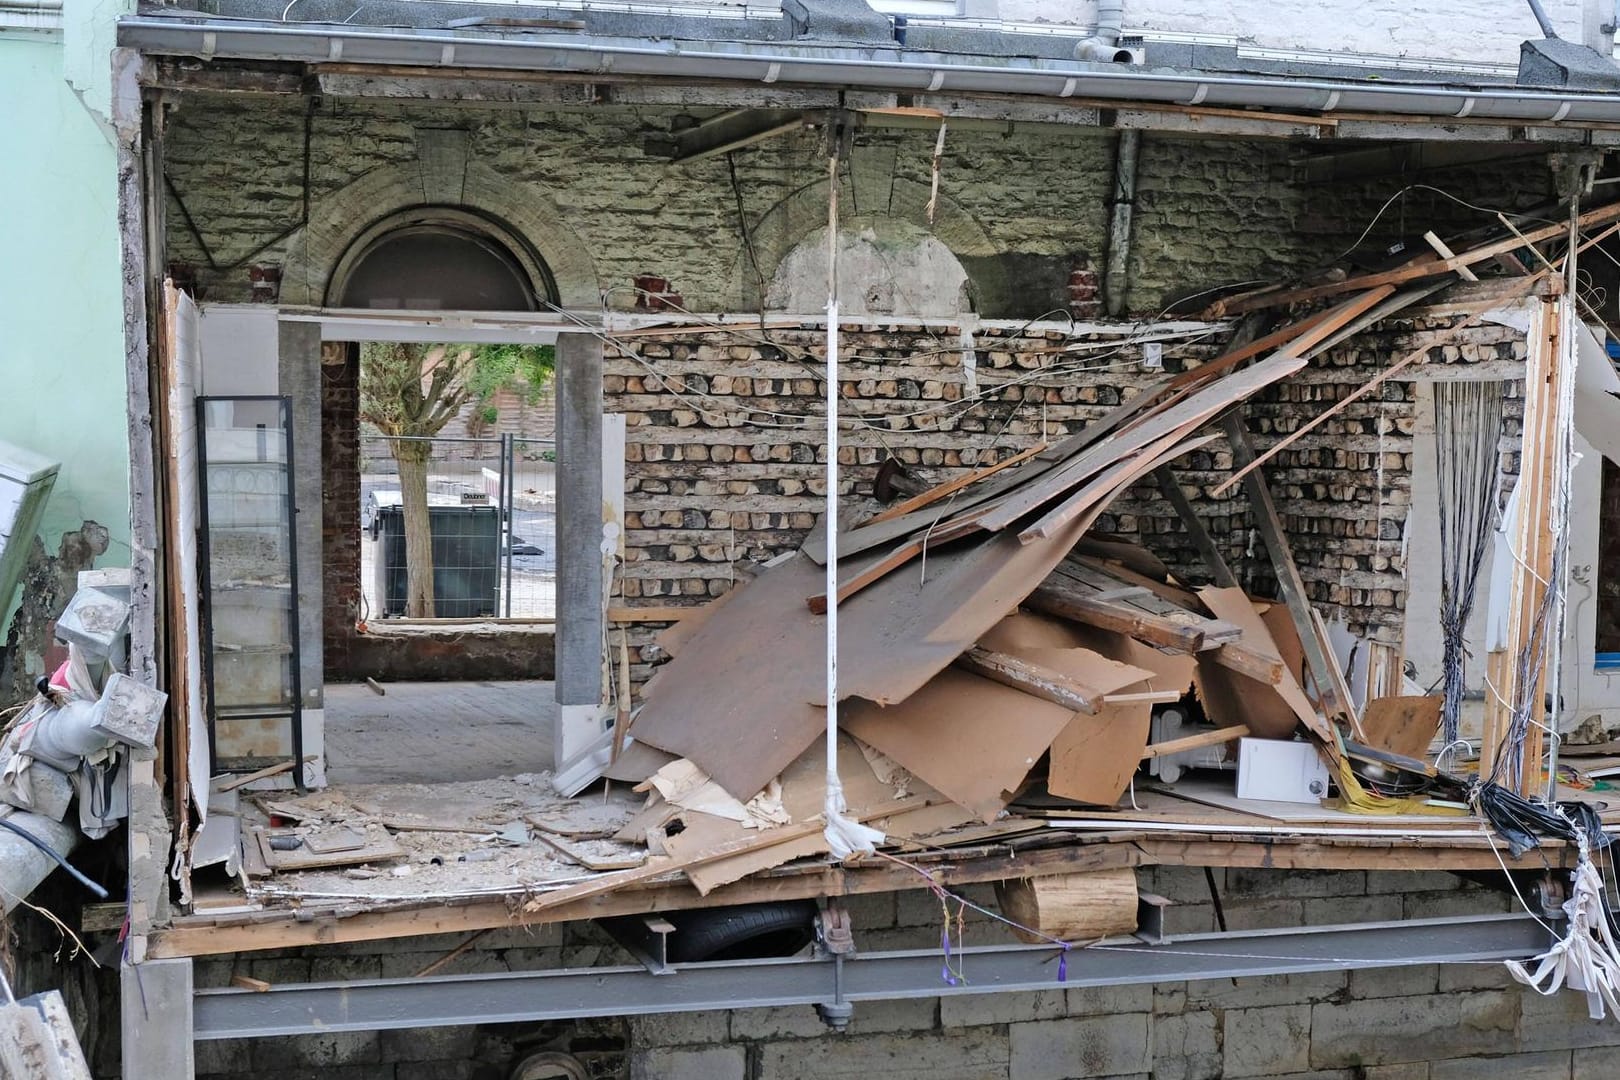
column 1033, row 679
column 1196, row 742
column 1320, row 665
column 934, row 494
column 1067, row 600
column 1410, row 271
column 663, row 614
column 1172, row 490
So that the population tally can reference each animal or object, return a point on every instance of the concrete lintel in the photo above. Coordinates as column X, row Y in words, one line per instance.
column 580, row 612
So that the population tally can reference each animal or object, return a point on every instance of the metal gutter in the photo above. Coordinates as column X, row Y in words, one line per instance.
column 508, row 997
column 892, row 69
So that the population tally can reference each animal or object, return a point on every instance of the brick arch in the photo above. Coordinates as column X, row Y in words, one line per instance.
column 337, row 220
column 800, row 214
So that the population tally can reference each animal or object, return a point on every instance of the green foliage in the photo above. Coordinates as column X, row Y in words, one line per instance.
column 408, row 388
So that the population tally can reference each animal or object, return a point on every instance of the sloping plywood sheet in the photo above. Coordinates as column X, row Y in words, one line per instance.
column 972, row 739
column 1094, row 757
column 743, row 698
column 1230, row 698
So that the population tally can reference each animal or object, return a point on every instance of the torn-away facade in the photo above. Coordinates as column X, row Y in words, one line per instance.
column 1025, row 244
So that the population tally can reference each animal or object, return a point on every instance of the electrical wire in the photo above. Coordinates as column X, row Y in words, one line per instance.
column 11, row 826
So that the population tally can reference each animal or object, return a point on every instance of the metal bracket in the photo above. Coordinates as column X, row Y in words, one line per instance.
column 835, row 938
column 645, row 937
column 1150, row 909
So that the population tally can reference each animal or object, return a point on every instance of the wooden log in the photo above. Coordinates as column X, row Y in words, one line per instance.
column 1070, row 907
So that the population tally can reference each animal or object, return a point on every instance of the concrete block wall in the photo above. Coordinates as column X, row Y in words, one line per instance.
column 1416, row 1023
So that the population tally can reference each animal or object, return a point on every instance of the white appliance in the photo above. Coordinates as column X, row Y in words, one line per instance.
column 1277, row 771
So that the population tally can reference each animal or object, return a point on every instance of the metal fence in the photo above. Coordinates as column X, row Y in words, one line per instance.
column 493, row 515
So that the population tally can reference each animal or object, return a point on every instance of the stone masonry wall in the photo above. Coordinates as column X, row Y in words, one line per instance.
column 1452, row 1022
column 725, row 459
column 1021, row 207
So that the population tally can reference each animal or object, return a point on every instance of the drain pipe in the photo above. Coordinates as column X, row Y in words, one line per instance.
column 1119, row 225
column 1541, row 17
column 1103, row 46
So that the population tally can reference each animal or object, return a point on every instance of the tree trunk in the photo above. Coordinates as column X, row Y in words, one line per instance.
column 412, row 457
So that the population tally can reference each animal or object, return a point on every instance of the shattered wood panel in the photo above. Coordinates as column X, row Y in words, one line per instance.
column 972, row 739
column 1027, row 630
column 743, row 698
column 1094, row 757
column 1230, row 698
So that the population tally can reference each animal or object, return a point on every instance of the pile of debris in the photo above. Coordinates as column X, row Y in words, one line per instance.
column 987, row 644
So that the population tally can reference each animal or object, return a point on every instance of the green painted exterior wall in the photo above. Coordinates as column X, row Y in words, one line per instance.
column 61, row 301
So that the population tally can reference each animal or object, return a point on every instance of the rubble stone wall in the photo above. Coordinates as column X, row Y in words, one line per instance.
column 1021, row 207
column 725, row 453
column 1451, row 1022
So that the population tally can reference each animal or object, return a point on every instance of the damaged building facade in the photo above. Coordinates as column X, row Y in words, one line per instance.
column 1028, row 247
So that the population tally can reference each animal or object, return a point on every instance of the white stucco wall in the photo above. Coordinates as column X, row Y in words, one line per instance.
column 1463, row 30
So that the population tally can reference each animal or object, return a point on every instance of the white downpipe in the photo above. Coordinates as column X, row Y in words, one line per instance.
column 844, row 837
column 1103, row 46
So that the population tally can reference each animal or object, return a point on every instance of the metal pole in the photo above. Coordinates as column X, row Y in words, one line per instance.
column 508, row 506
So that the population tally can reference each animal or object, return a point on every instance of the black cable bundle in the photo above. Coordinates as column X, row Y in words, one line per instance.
column 1523, row 822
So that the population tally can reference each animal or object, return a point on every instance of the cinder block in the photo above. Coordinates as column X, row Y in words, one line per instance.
column 1394, row 982
column 1264, row 914
column 1560, row 1022
column 1099, row 1046
column 1452, row 904
column 429, row 1044
column 1411, row 881
column 975, row 1054
column 969, row 1010
column 1187, row 1046
column 322, row 1051
column 1486, row 976
column 1553, row 1065
column 1597, row 1063
column 1264, row 990
column 1412, row 1070
column 1100, row 1000
column 1278, row 884
column 1385, row 1031
column 1266, row 1042
column 222, row 1057
column 1332, row 910
column 710, row 1063
column 323, row 968
column 435, row 1070
column 679, row 1029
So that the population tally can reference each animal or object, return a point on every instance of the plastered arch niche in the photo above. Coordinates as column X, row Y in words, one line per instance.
column 885, row 267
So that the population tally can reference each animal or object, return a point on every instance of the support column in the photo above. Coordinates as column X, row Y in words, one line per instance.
column 155, row 1017
column 298, row 352
column 580, row 614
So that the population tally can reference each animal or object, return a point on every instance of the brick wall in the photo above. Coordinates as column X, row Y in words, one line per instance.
column 724, row 455
column 340, row 502
column 1454, row 1022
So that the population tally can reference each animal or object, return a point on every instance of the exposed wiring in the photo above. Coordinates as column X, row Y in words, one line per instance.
column 11, row 826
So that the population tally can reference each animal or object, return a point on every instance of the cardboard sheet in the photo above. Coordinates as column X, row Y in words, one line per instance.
column 972, row 739
column 1027, row 631
column 1402, row 725
column 1094, row 757
column 742, row 699
column 1230, row 698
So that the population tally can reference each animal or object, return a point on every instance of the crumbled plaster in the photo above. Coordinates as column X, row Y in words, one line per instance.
column 49, row 582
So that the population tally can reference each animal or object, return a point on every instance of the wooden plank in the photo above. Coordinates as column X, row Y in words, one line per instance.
column 1042, row 682
column 1208, row 550
column 666, row 613
column 934, row 494
column 1268, row 523
column 1401, row 725
column 263, row 774
column 1244, row 659
column 1151, row 458
column 1445, row 252
column 1216, row 632
column 1412, row 271
column 1066, row 599
column 1196, row 742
